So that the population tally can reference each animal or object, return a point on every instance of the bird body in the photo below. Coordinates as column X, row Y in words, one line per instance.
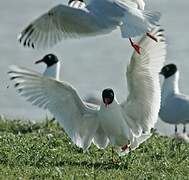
column 114, row 124
column 97, row 17
column 121, row 125
column 174, row 105
column 175, row 109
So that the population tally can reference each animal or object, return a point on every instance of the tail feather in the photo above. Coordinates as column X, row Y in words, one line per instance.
column 138, row 22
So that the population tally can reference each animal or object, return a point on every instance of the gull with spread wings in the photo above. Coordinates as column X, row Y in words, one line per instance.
column 121, row 125
column 95, row 18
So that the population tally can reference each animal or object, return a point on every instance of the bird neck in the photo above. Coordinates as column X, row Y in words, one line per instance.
column 111, row 106
column 53, row 71
column 170, row 86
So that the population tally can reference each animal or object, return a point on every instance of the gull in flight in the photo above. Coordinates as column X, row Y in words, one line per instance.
column 122, row 125
column 95, row 18
column 174, row 105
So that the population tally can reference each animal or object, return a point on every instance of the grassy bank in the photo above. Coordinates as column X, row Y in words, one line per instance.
column 43, row 151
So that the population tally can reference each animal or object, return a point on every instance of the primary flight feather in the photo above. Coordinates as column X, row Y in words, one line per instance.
column 97, row 17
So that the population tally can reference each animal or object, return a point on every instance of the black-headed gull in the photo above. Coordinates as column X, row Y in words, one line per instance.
column 53, row 66
column 97, row 17
column 126, row 124
column 175, row 105
column 53, row 70
column 139, row 113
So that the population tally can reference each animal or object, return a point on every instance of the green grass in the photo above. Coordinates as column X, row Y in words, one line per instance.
column 43, row 151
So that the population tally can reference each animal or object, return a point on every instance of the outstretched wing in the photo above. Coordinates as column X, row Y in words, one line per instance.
column 59, row 23
column 140, row 4
column 143, row 102
column 61, row 99
column 136, row 21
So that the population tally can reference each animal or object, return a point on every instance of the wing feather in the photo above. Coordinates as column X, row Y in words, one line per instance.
column 140, row 4
column 143, row 102
column 60, row 22
column 61, row 99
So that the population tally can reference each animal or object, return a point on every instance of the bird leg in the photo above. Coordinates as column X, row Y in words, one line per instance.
column 135, row 46
column 151, row 36
column 184, row 128
column 175, row 129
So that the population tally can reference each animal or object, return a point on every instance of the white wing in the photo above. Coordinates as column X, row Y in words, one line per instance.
column 143, row 102
column 61, row 99
column 140, row 3
column 59, row 23
column 100, row 139
column 77, row 4
column 137, row 141
column 136, row 21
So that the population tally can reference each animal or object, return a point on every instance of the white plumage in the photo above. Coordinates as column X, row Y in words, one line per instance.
column 131, row 121
column 97, row 17
column 62, row 100
column 143, row 100
column 126, row 124
column 140, row 4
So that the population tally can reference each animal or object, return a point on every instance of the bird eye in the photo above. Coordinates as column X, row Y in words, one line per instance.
column 49, row 56
column 167, row 68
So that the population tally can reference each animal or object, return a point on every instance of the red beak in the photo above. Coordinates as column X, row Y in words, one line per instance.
column 106, row 102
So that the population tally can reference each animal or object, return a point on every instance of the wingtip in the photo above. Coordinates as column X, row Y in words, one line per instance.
column 32, row 45
column 19, row 38
column 12, row 78
column 16, row 85
column 9, row 72
column 159, row 33
column 25, row 36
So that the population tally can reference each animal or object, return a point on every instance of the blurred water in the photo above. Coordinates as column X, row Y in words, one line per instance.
column 90, row 64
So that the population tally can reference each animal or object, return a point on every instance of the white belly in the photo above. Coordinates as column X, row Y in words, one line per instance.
column 115, row 126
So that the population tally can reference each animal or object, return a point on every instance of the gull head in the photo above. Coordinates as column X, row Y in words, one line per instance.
column 168, row 70
column 107, row 96
column 49, row 60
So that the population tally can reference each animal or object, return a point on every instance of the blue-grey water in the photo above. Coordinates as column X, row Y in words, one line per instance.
column 90, row 64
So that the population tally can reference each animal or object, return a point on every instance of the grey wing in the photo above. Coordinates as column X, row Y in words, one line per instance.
column 61, row 99
column 175, row 109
